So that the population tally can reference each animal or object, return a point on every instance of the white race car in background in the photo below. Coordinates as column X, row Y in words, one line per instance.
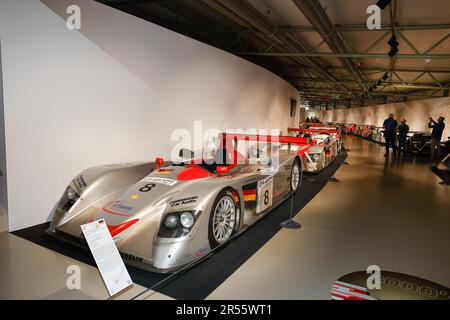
column 325, row 145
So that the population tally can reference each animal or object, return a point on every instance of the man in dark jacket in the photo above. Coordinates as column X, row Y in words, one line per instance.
column 390, row 134
column 436, row 136
column 403, row 130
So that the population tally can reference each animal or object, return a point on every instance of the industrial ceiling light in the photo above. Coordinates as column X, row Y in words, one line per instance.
column 394, row 46
column 383, row 3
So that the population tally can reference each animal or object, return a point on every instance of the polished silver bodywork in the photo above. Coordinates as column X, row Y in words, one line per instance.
column 119, row 194
column 322, row 153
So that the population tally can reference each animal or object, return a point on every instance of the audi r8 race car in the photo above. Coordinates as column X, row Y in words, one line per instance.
column 325, row 145
column 349, row 128
column 367, row 131
column 363, row 130
column 380, row 135
column 164, row 218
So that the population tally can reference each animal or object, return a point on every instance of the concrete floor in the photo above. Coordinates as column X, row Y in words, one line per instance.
column 390, row 213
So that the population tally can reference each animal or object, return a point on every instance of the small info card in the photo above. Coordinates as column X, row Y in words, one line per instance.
column 108, row 259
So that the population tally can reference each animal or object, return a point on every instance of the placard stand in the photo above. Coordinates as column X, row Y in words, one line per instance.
column 291, row 224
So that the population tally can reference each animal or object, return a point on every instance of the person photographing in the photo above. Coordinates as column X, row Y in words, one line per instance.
column 436, row 136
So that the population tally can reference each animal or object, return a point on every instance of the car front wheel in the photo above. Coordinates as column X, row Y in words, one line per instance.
column 222, row 221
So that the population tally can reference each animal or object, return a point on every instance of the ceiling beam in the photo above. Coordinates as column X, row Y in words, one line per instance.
column 319, row 19
column 341, row 28
column 343, row 55
column 377, row 93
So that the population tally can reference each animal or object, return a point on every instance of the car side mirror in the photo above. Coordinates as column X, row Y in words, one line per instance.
column 159, row 162
column 186, row 154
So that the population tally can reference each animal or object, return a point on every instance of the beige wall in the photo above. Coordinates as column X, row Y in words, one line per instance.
column 112, row 92
column 415, row 112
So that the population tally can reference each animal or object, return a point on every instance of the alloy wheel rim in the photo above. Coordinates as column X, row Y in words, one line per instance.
column 224, row 219
column 295, row 177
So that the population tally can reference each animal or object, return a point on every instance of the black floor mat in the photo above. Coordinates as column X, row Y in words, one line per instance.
column 202, row 279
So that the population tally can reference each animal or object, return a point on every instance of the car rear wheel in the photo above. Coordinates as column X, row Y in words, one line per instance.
column 323, row 160
column 222, row 221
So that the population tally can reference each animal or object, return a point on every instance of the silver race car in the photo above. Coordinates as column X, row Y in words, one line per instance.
column 324, row 147
column 164, row 218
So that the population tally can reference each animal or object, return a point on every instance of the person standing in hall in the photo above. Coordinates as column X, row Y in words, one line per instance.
column 403, row 130
column 390, row 134
column 436, row 136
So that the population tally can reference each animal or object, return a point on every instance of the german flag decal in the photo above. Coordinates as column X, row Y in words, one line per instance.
column 165, row 171
column 249, row 192
column 250, row 195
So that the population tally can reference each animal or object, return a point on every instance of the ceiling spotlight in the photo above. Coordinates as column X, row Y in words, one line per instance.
column 383, row 3
column 386, row 76
column 379, row 82
column 394, row 46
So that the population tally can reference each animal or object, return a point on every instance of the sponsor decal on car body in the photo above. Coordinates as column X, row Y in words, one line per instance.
column 81, row 182
column 183, row 201
column 165, row 181
column 117, row 208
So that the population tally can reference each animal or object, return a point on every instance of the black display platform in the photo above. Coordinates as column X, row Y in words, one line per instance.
column 200, row 280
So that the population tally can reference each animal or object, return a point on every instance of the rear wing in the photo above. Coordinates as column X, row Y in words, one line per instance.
column 264, row 138
column 228, row 138
column 327, row 130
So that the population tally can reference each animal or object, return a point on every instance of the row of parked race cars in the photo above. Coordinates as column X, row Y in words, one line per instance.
column 166, row 215
column 418, row 142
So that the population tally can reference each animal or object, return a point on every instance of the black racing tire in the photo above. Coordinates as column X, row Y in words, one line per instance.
column 224, row 194
column 323, row 160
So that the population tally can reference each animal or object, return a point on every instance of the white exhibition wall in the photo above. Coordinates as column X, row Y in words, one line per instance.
column 415, row 112
column 3, row 195
column 112, row 92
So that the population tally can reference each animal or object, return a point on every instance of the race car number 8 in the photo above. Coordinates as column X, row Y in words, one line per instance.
column 266, row 197
column 148, row 187
column 265, row 194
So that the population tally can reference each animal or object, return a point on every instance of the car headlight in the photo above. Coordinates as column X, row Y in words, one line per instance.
column 178, row 224
column 315, row 157
column 187, row 220
column 71, row 194
column 171, row 221
column 68, row 199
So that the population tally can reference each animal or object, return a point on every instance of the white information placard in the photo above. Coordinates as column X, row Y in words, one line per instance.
column 108, row 259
